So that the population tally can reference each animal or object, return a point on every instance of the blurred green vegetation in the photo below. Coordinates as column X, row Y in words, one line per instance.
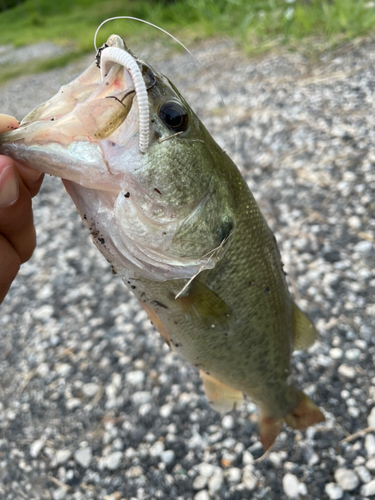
column 257, row 25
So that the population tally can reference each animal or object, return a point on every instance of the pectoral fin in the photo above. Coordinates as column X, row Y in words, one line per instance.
column 220, row 396
column 305, row 333
column 203, row 305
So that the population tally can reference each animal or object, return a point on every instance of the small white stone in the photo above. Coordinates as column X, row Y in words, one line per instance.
column 368, row 490
column 42, row 370
column 227, row 422
column 60, row 493
column 89, row 390
column 346, row 479
column 336, row 353
column 157, row 449
column 202, row 495
column 72, row 403
column 168, row 457
column 113, row 460
column 354, row 222
column 370, row 444
column 347, row 371
column 249, row 479
column 141, row 397
column 233, row 475
column 37, row 447
column 144, row 409
column 247, row 458
column 63, row 369
column 135, row 377
column 83, row 457
column 371, row 418
column 302, row 489
column 166, row 410
column 370, row 464
column 353, row 353
column 200, row 482
column 363, row 247
column 363, row 474
column 62, row 456
column 290, row 485
column 275, row 459
column 215, row 483
column 333, row 491
column 206, row 470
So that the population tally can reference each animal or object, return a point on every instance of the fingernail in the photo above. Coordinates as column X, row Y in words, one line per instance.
column 8, row 187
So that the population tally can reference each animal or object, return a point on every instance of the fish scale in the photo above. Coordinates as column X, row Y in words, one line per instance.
column 178, row 223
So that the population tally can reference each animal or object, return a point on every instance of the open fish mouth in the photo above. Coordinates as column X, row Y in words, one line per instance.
column 68, row 133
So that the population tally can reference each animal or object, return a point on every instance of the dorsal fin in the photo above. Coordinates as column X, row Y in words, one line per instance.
column 305, row 333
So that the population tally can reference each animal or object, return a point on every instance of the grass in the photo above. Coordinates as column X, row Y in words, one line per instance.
column 258, row 25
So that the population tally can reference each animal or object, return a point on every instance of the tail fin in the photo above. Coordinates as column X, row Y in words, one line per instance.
column 306, row 413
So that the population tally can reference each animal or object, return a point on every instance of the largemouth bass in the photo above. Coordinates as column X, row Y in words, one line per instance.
column 173, row 216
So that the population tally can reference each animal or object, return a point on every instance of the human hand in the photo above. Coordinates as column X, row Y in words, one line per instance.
column 18, row 184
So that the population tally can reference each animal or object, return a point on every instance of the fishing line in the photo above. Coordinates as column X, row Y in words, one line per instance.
column 184, row 47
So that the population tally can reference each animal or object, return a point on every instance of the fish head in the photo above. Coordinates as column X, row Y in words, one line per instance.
column 163, row 213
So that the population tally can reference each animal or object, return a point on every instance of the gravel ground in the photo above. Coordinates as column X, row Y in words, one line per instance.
column 94, row 406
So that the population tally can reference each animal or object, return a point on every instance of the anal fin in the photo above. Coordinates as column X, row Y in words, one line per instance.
column 305, row 333
column 221, row 397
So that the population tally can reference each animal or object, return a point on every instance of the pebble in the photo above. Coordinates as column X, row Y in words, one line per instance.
column 62, row 456
column 368, row 490
column 215, row 483
column 333, row 491
column 227, row 422
column 347, row 371
column 353, row 354
column 233, row 475
column 202, row 495
column 83, row 456
column 60, row 493
column 72, row 403
column 363, row 247
column 336, row 353
column 113, row 460
column 200, row 482
column 346, row 479
column 371, row 418
column 37, row 447
column 290, row 485
column 370, row 464
column 157, row 449
column 89, row 390
column 135, row 377
column 249, row 479
column 141, row 397
column 370, row 444
column 168, row 457
column 166, row 410
column 363, row 474
column 206, row 470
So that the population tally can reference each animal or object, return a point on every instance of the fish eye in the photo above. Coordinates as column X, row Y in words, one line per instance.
column 174, row 116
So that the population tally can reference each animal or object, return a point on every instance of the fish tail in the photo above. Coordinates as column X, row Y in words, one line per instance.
column 306, row 413
column 269, row 429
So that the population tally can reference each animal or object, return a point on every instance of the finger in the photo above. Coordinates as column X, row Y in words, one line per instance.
column 8, row 123
column 31, row 178
column 10, row 264
column 16, row 217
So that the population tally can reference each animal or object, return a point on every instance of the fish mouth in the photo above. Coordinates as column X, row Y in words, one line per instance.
column 66, row 135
